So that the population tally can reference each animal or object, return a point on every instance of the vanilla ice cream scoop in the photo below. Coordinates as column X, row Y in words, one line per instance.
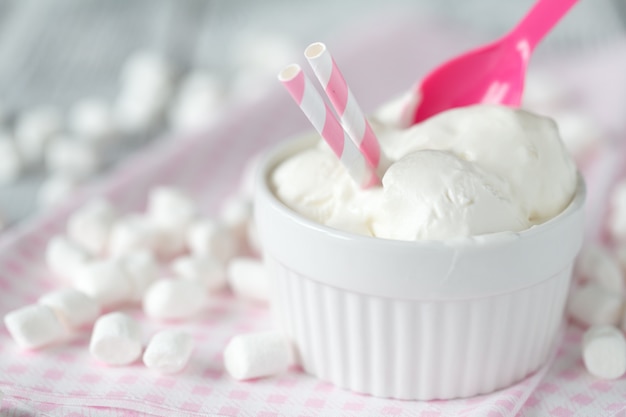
column 317, row 186
column 521, row 148
column 436, row 195
column 465, row 172
column 309, row 194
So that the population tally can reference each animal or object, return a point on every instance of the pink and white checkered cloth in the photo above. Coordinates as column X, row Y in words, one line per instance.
column 66, row 381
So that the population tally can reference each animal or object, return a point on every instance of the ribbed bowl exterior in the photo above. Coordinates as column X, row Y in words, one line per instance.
column 418, row 350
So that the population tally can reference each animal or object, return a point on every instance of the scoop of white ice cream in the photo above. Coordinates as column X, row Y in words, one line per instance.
column 521, row 148
column 317, row 186
column 436, row 195
column 311, row 195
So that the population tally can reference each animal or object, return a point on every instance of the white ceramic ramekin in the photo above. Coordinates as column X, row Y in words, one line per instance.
column 416, row 320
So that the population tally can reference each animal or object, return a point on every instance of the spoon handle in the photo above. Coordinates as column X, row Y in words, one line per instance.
column 539, row 20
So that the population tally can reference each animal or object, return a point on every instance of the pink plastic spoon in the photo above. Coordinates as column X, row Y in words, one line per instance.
column 493, row 73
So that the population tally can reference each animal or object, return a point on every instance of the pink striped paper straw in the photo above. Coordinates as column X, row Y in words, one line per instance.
column 322, row 118
column 344, row 103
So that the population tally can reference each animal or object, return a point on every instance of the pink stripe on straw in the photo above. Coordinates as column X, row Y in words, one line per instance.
column 352, row 118
column 337, row 89
column 295, row 85
column 321, row 117
column 332, row 130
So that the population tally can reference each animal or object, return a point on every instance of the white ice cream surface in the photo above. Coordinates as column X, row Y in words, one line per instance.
column 437, row 195
column 465, row 172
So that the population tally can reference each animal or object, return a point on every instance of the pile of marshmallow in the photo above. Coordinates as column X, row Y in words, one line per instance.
column 73, row 149
column 170, row 260
column 598, row 300
column 154, row 97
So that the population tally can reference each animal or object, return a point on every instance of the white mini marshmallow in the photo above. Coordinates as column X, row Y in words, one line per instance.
column 116, row 339
column 206, row 270
column 249, row 177
column 146, row 87
column 192, row 112
column 10, row 160
column 169, row 242
column 174, row 299
column 207, row 237
column 592, row 304
column 147, row 67
column 57, row 188
column 142, row 270
column 105, row 281
column 168, row 351
column 170, row 207
column 73, row 308
column 33, row 131
column 604, row 352
column 135, row 114
column 131, row 233
column 196, row 102
column 91, row 119
column 90, row 226
column 68, row 156
column 236, row 214
column 170, row 211
column 578, row 131
column 597, row 264
column 255, row 355
column 248, row 278
column 65, row 258
column 617, row 218
column 545, row 92
column 34, row 326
